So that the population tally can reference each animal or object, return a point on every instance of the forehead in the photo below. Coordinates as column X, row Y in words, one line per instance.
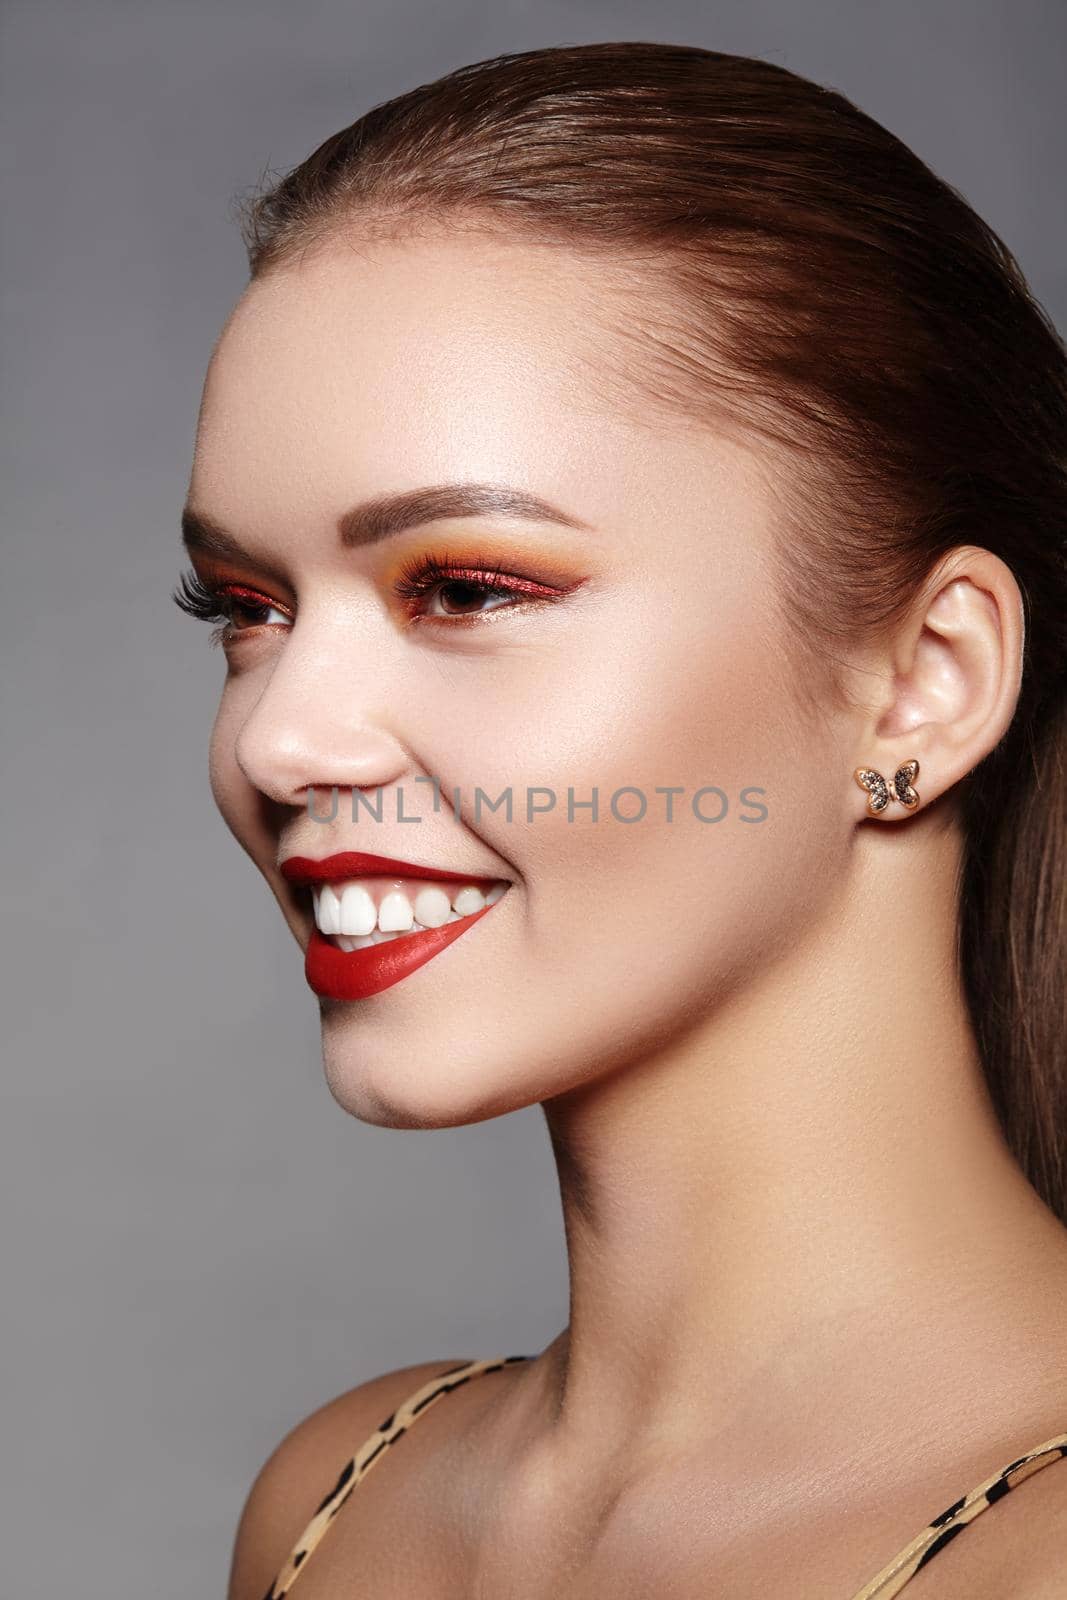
column 453, row 337
column 370, row 367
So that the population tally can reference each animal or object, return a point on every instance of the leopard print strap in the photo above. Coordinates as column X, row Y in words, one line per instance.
column 371, row 1451
column 952, row 1521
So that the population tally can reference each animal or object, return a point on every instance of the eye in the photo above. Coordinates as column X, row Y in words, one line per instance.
column 234, row 605
column 440, row 588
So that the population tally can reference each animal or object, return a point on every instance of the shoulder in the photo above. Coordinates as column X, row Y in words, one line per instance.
column 1017, row 1546
column 1037, row 1559
column 302, row 1467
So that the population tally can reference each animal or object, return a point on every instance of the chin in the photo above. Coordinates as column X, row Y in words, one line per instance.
column 379, row 1080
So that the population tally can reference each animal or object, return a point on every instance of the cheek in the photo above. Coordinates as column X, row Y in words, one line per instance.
column 710, row 878
column 611, row 703
column 659, row 909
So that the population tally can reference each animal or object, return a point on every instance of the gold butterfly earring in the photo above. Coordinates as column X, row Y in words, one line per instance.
column 879, row 793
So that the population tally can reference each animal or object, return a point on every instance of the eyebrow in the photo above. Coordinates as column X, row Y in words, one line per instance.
column 389, row 514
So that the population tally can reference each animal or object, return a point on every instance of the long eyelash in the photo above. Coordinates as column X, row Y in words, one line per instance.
column 422, row 573
column 197, row 600
column 418, row 576
column 206, row 604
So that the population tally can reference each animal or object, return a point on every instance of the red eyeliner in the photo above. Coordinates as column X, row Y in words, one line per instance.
column 427, row 571
column 238, row 591
column 494, row 580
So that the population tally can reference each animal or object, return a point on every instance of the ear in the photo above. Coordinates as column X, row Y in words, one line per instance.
column 950, row 678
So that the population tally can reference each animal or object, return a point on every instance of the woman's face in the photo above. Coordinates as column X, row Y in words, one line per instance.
column 638, row 651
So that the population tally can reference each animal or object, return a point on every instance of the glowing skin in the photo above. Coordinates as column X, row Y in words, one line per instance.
column 788, row 1206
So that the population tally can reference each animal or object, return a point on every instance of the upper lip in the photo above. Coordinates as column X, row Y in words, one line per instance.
column 300, row 869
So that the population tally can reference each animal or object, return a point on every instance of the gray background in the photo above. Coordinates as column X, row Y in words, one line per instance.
column 199, row 1246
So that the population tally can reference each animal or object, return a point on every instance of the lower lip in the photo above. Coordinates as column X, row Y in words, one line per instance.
column 337, row 974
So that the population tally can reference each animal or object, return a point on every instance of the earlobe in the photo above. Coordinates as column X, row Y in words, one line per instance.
column 879, row 792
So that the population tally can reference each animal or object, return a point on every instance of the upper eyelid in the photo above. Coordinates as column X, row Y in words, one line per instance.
column 249, row 597
column 246, row 591
column 495, row 565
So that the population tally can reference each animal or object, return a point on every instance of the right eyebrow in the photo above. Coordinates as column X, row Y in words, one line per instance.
column 390, row 514
column 386, row 515
column 201, row 533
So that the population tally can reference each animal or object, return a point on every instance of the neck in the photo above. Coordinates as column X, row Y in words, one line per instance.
column 803, row 1215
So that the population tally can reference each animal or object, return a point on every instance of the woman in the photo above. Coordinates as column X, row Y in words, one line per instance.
column 647, row 434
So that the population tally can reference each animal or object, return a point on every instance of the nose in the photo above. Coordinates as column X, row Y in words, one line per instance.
column 308, row 732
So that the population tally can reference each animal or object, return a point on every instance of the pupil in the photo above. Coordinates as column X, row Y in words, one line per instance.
column 469, row 594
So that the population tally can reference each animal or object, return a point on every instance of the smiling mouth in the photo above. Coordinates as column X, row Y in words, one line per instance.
column 378, row 919
column 357, row 913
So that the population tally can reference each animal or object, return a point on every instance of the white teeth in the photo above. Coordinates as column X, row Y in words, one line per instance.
column 373, row 910
column 468, row 900
column 329, row 911
column 432, row 907
column 358, row 911
column 395, row 914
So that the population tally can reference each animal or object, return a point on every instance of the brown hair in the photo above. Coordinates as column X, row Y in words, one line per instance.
column 796, row 270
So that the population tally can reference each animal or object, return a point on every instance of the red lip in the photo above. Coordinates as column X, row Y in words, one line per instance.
column 338, row 974
column 358, row 864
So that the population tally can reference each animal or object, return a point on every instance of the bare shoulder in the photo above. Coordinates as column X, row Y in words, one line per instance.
column 303, row 1467
column 1017, row 1546
column 1039, row 1538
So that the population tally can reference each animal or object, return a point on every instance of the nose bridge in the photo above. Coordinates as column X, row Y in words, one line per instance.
column 314, row 726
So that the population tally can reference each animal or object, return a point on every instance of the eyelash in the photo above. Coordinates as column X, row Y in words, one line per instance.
column 216, row 604
column 417, row 579
column 420, row 575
